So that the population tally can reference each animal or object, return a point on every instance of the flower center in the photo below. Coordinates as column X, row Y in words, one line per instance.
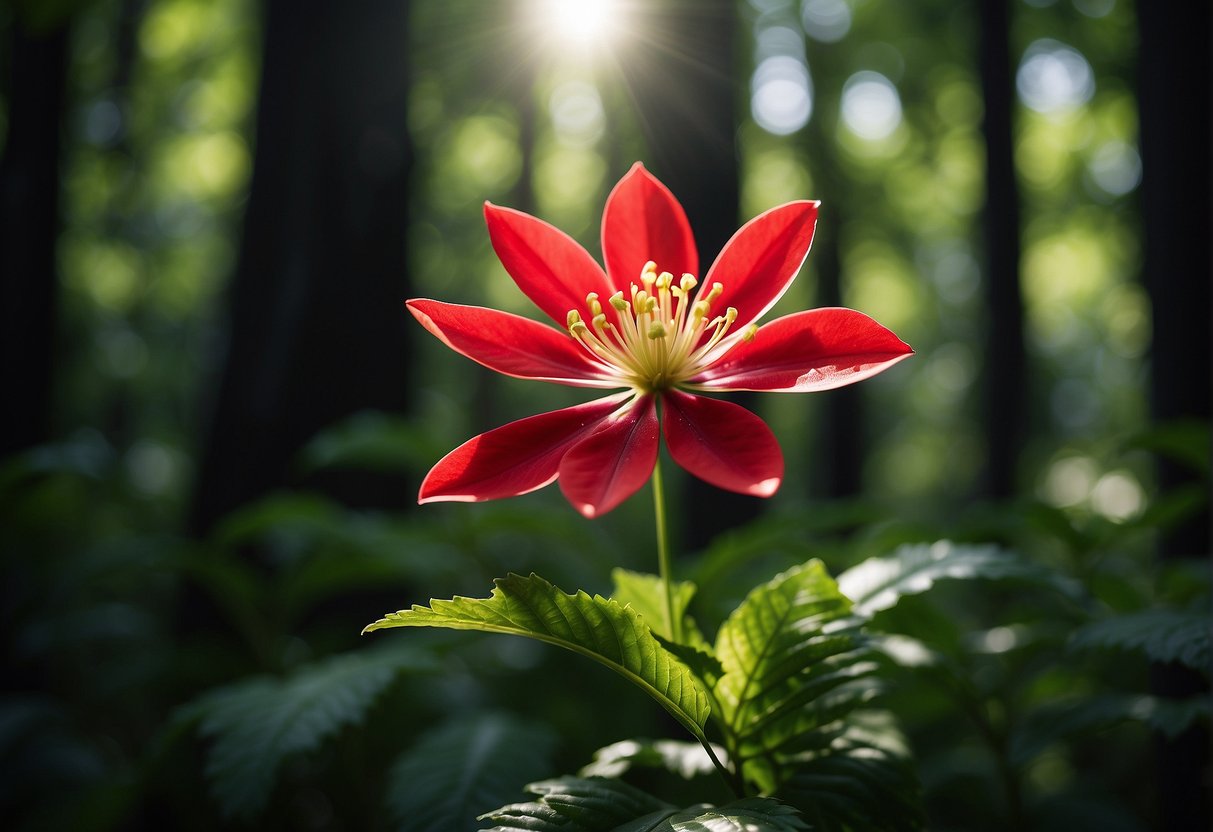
column 663, row 336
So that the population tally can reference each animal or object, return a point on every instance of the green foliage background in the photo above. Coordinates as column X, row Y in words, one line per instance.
column 1015, row 658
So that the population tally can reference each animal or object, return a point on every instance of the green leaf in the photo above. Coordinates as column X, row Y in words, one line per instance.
column 1057, row 722
column 686, row 759
column 1185, row 441
column 596, row 627
column 856, row 786
column 371, row 441
column 879, row 583
column 580, row 804
column 755, row 814
column 465, row 767
column 575, row 804
column 1162, row 635
column 259, row 722
column 794, row 664
column 646, row 595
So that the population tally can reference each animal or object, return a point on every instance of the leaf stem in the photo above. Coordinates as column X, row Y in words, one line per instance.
column 732, row 780
column 673, row 625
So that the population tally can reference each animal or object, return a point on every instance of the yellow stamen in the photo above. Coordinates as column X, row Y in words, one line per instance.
column 660, row 338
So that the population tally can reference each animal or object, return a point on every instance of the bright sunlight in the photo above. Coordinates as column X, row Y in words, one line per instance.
column 583, row 21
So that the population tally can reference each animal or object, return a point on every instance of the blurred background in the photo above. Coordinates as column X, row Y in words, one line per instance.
column 217, row 410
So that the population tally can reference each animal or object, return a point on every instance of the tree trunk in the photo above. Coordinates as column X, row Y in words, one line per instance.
column 682, row 84
column 318, row 325
column 837, row 451
column 1174, row 107
column 29, row 226
column 1005, row 400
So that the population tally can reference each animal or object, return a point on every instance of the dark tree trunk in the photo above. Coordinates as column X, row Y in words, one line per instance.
column 682, row 84
column 318, row 325
column 1005, row 403
column 36, row 74
column 841, row 443
column 837, row 452
column 1175, row 100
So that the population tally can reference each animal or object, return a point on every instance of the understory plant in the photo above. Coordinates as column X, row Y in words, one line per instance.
column 780, row 702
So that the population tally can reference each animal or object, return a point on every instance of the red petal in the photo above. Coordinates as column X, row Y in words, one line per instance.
column 643, row 221
column 758, row 263
column 815, row 350
column 603, row 470
column 722, row 443
column 510, row 344
column 516, row 458
column 550, row 267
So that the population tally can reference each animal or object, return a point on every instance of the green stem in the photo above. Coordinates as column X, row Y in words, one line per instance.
column 673, row 625
column 672, row 622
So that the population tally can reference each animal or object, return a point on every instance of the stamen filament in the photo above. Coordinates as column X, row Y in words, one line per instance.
column 657, row 338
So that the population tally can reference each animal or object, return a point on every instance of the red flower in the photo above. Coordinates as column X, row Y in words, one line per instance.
column 655, row 335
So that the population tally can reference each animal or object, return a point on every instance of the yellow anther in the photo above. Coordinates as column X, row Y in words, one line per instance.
column 574, row 317
column 618, row 302
column 648, row 274
column 641, row 301
column 688, row 282
column 656, row 330
column 748, row 334
column 700, row 309
column 665, row 280
column 600, row 321
column 717, row 288
column 730, row 314
column 578, row 327
column 591, row 300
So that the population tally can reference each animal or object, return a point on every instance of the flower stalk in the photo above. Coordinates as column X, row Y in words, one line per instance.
column 665, row 570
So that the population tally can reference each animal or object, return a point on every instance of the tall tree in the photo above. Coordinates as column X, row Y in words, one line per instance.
column 1005, row 408
column 317, row 327
column 35, row 72
column 683, row 85
column 1174, row 108
column 839, row 448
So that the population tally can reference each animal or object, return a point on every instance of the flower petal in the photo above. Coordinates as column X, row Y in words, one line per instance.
column 722, row 443
column 515, row 458
column 606, row 468
column 511, row 344
column 759, row 262
column 818, row 349
column 549, row 266
column 643, row 221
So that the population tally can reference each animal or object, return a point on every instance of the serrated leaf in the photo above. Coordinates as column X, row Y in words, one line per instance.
column 465, row 767
column 1056, row 722
column 793, row 664
column 646, row 595
column 698, row 656
column 1162, row 635
column 575, row 804
column 257, row 723
column 596, row 627
column 856, row 785
column 754, row 814
column 686, row 759
column 879, row 583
